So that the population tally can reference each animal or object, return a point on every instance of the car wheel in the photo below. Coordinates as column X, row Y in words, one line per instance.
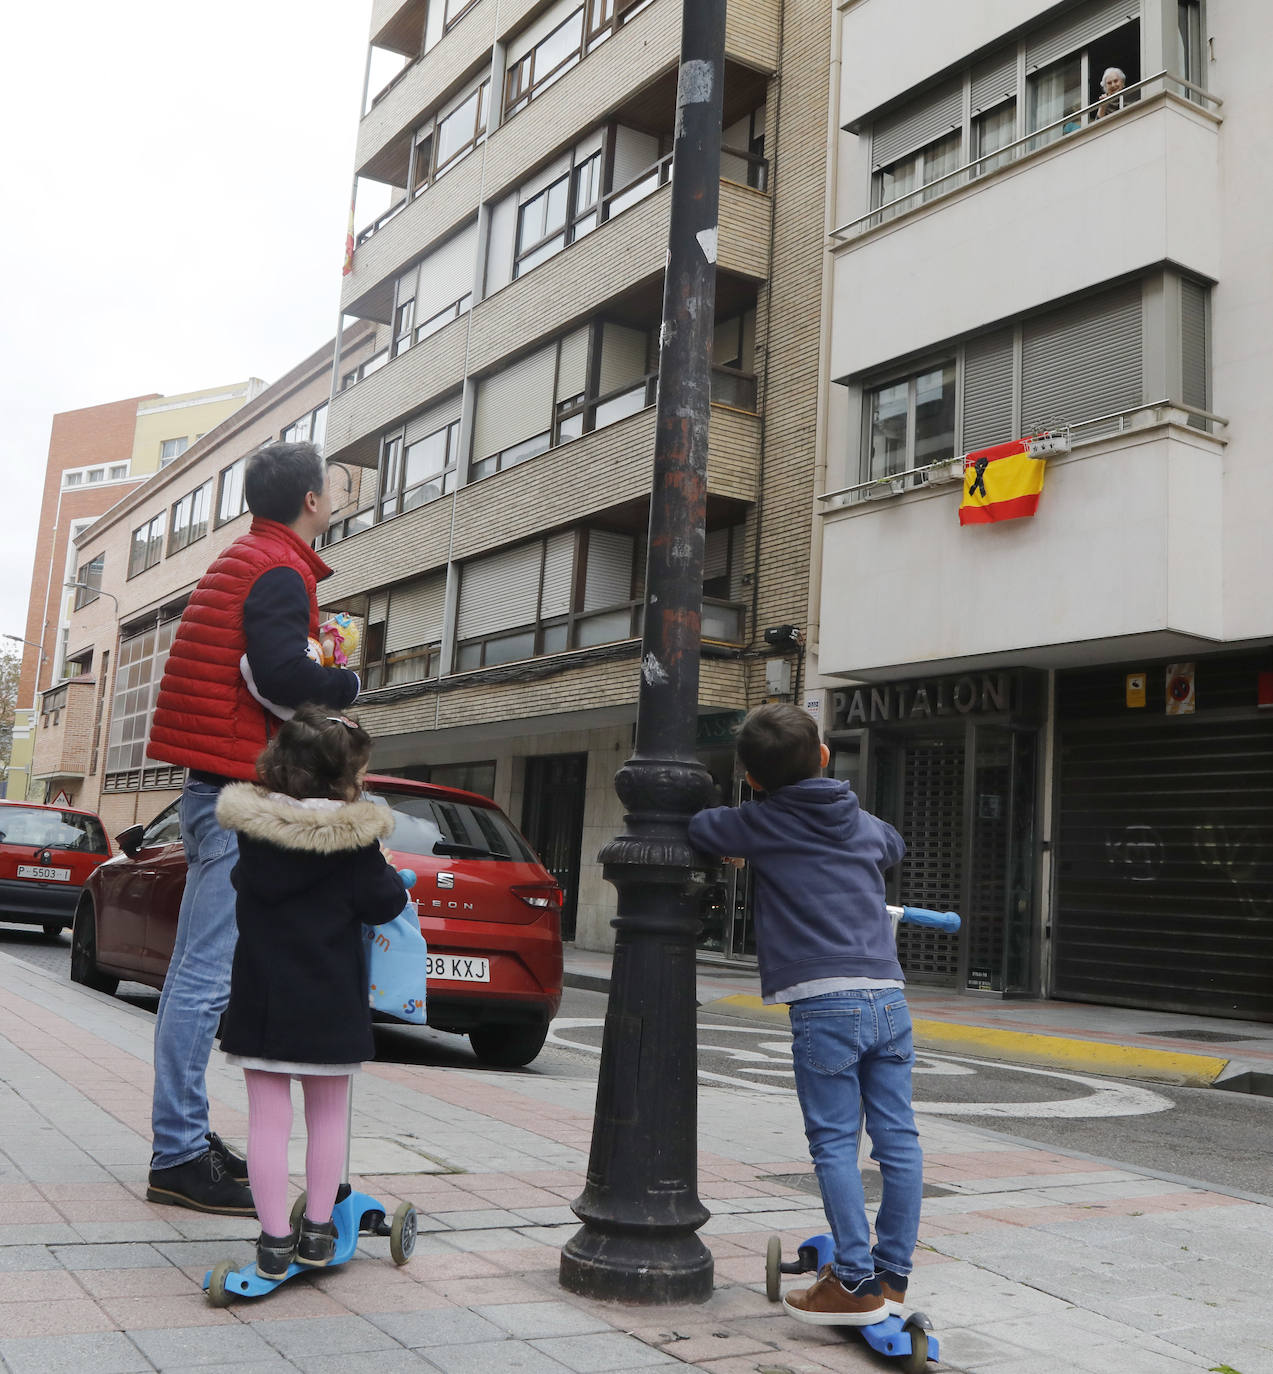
column 84, row 968
column 508, row 1047
column 53, row 929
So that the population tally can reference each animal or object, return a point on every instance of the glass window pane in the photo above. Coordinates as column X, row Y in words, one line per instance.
column 887, row 412
column 561, row 44
column 509, row 648
column 940, row 159
column 620, row 407
column 547, row 250
column 935, row 415
column 992, row 131
column 898, row 180
column 1054, row 93
column 457, row 131
column 425, row 457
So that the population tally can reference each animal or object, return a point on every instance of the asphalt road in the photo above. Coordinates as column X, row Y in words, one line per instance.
column 1224, row 1139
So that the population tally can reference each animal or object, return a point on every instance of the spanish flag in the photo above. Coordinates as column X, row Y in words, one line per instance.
column 1001, row 483
column 348, row 266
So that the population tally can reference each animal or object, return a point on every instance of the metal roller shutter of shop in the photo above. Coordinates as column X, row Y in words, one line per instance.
column 1165, row 866
column 994, row 79
column 1082, row 361
column 918, row 123
column 1077, row 28
column 932, row 868
column 988, row 398
column 415, row 614
column 500, row 592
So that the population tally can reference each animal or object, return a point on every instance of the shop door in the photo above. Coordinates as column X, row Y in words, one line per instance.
column 1165, row 866
column 552, row 820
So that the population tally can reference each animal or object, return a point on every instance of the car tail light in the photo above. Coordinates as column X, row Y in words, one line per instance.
column 539, row 895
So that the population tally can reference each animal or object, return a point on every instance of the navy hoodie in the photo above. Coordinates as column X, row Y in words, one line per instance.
column 818, row 861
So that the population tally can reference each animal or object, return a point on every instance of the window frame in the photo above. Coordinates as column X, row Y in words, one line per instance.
column 231, row 475
column 151, row 541
column 165, row 457
column 391, row 489
column 574, row 216
column 938, row 360
column 194, row 528
column 88, row 579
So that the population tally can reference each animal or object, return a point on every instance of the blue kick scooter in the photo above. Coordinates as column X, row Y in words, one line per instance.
column 905, row 1339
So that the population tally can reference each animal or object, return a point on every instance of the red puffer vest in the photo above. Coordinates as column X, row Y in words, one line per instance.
column 205, row 717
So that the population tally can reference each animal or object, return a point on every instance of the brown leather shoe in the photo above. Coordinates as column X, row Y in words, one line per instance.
column 830, row 1303
column 894, row 1297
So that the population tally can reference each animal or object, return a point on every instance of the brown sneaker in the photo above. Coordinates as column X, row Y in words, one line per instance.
column 830, row 1303
column 893, row 1287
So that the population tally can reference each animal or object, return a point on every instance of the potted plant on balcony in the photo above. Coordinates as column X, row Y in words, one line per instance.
column 948, row 470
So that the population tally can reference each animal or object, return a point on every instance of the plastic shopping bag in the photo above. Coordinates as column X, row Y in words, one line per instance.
column 397, row 963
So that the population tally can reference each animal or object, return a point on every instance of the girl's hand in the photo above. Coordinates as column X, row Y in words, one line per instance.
column 733, row 863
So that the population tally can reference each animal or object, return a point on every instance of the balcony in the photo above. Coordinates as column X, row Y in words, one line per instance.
column 362, row 412
column 64, row 731
column 1096, row 574
column 1138, row 188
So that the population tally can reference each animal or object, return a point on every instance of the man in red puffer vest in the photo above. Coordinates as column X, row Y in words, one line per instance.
column 250, row 619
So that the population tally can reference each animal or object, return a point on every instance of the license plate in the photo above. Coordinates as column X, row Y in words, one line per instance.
column 49, row 875
column 459, row 968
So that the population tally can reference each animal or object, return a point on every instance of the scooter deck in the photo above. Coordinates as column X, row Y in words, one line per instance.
column 347, row 1214
column 890, row 1337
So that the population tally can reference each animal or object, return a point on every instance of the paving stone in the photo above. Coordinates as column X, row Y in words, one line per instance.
column 190, row 1347
column 482, row 1357
column 23, row 1258
column 602, row 1353
column 126, row 1256
column 527, row 1320
column 436, row 1326
column 102, row 1352
column 301, row 1341
column 395, row 1361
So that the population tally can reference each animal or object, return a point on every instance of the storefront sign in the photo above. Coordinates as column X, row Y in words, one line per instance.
column 973, row 694
column 718, row 729
column 1135, row 689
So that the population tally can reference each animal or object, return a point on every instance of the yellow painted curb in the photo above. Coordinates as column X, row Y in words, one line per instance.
column 1026, row 1047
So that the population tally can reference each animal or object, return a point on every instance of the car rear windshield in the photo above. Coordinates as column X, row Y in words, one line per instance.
column 31, row 825
column 427, row 825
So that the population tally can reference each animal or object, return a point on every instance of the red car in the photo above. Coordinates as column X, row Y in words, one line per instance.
column 489, row 911
column 46, row 853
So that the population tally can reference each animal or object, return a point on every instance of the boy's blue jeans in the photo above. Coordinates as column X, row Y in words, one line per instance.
column 197, row 987
column 849, row 1050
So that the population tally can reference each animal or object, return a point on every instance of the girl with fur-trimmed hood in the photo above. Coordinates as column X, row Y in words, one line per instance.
column 311, row 873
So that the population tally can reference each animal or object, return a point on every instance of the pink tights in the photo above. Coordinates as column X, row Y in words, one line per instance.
column 270, row 1126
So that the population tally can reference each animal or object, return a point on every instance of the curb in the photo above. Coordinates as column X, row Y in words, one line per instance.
column 1026, row 1047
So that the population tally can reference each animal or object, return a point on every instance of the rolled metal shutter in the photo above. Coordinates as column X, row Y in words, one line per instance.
column 1193, row 343
column 516, row 403
column 1076, row 28
column 446, row 274
column 377, row 607
column 608, row 581
column 572, row 365
column 499, row 592
column 559, row 575
column 435, row 418
column 1083, row 361
column 995, row 79
column 716, row 553
column 415, row 613
column 623, row 357
column 988, row 409
column 917, row 123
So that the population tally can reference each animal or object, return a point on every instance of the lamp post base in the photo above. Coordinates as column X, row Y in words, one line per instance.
column 643, row 1269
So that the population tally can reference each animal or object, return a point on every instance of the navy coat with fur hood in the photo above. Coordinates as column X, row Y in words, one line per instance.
column 308, row 879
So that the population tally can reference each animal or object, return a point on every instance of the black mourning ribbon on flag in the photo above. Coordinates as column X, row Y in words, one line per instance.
column 979, row 477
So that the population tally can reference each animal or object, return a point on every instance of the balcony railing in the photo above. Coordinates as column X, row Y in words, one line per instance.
column 1065, row 437
column 992, row 160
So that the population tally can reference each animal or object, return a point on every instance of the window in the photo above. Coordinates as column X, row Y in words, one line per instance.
column 413, row 474
column 558, row 215
column 189, row 520
column 311, row 428
column 461, row 130
column 96, row 475
column 441, row 17
column 89, row 580
column 140, row 666
column 172, row 449
column 404, row 632
column 1055, row 93
column 118, row 472
column 911, row 421
column 545, row 63
column 231, row 502
column 991, row 131
column 147, row 546
column 1189, row 41
column 73, row 479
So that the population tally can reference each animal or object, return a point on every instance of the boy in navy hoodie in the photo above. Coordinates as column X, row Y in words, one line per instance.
column 825, row 944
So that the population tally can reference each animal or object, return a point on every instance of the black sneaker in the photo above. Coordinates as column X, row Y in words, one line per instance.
column 203, row 1185
column 274, row 1255
column 234, row 1165
column 317, row 1243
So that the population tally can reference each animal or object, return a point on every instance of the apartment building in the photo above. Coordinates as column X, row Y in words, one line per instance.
column 97, row 455
column 504, row 419
column 135, row 567
column 1070, row 716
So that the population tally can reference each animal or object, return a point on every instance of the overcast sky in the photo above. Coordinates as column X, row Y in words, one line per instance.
column 176, row 187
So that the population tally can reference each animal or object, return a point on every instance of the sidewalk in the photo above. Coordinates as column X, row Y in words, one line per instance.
column 1161, row 1046
column 1032, row 1261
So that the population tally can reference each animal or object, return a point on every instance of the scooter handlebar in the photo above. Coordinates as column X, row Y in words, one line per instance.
column 921, row 916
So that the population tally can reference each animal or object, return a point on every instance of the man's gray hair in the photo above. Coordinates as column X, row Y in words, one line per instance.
column 1113, row 71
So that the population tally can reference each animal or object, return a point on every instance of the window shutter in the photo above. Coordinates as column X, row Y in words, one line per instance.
column 622, row 357
column 572, row 365
column 737, row 588
column 415, row 613
column 1193, row 343
column 994, row 79
column 918, row 123
column 514, row 404
column 1077, row 28
column 1083, row 361
column 716, row 554
column 551, row 18
column 559, row 575
column 377, row 607
column 446, row 274
column 609, row 577
column 988, row 391
column 499, row 592
column 435, row 418
column 633, row 153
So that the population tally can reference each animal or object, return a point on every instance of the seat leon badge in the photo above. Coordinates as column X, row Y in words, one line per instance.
column 446, row 879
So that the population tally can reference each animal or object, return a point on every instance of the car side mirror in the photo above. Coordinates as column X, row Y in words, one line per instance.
column 130, row 840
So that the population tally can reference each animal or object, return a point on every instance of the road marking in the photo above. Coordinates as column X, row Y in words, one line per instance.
column 1103, row 1099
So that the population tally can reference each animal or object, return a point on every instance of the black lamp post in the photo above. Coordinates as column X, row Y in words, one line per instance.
column 640, row 1207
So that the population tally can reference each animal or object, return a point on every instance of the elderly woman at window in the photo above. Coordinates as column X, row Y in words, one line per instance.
column 1113, row 83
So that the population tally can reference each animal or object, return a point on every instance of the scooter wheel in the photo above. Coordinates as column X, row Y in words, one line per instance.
column 298, row 1211
column 917, row 1361
column 218, row 1294
column 402, row 1233
column 773, row 1269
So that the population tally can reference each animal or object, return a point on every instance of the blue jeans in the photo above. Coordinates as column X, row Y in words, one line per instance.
column 853, row 1050
column 197, row 987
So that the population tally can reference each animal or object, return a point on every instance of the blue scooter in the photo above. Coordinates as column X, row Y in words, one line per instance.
column 905, row 1339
